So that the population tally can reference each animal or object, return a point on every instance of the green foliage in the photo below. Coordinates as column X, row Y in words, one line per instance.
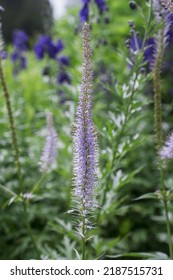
column 131, row 211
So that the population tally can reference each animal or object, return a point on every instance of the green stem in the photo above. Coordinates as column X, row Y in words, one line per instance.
column 29, row 229
column 168, row 229
column 148, row 21
column 158, row 128
column 83, row 238
column 11, row 121
column 36, row 186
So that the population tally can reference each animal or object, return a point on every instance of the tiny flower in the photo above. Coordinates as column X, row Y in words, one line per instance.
column 48, row 158
column 166, row 151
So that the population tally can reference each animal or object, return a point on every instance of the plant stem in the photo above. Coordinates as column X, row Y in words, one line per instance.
column 83, row 238
column 168, row 229
column 11, row 121
column 158, row 127
column 157, row 93
column 29, row 229
column 36, row 186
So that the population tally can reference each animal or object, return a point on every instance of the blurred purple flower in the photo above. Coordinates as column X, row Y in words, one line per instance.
column 84, row 12
column 101, row 5
column 166, row 151
column 48, row 158
column 136, row 45
column 3, row 54
column 45, row 46
column 20, row 60
column 20, row 40
column 168, row 32
column 18, row 57
column 149, row 52
column 64, row 60
column 63, row 77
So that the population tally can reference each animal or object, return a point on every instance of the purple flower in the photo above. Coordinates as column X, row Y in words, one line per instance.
column 166, row 151
column 18, row 57
column 3, row 54
column 84, row 12
column 20, row 40
column 20, row 61
column 64, row 60
column 48, row 158
column 39, row 47
column 84, row 137
column 46, row 46
column 63, row 77
column 86, row 1
column 136, row 45
column 101, row 5
column 149, row 52
column 59, row 45
column 168, row 32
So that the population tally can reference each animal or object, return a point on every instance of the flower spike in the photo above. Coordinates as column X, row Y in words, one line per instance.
column 85, row 146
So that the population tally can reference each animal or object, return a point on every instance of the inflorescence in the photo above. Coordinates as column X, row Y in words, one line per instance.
column 49, row 154
column 85, row 148
column 166, row 151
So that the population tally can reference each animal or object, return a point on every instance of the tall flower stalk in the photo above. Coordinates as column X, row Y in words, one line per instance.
column 85, row 148
column 48, row 158
column 160, row 47
column 9, row 111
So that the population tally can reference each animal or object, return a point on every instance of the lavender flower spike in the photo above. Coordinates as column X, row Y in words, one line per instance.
column 166, row 151
column 85, row 146
column 49, row 153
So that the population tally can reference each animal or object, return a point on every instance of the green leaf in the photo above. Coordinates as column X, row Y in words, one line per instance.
column 142, row 255
column 5, row 189
column 147, row 196
column 77, row 254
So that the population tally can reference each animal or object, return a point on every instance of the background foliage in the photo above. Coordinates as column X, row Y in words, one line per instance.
column 123, row 114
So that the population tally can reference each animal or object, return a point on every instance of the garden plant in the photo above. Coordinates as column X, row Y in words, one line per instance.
column 86, row 135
